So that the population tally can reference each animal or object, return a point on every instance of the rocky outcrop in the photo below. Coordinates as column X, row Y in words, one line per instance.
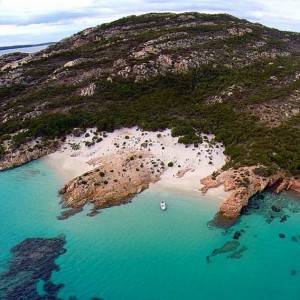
column 115, row 181
column 17, row 61
column 239, row 31
column 74, row 63
column 275, row 111
column 243, row 183
column 139, row 47
column 89, row 90
column 25, row 155
column 288, row 184
column 7, row 59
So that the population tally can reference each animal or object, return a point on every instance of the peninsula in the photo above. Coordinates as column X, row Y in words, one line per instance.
column 159, row 98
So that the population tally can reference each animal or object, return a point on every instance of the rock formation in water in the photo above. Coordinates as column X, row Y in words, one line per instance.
column 115, row 180
column 33, row 261
column 243, row 183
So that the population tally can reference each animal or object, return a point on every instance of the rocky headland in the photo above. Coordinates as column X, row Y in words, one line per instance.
column 26, row 153
column 243, row 183
column 115, row 181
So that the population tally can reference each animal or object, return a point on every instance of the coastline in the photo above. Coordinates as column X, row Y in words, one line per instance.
column 109, row 169
column 65, row 166
column 190, row 164
column 182, row 233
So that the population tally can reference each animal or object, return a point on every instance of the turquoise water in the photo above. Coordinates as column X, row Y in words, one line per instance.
column 136, row 251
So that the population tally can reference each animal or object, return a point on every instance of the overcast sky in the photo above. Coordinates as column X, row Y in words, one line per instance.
column 38, row 21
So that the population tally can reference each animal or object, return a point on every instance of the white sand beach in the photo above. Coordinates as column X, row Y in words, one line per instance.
column 190, row 163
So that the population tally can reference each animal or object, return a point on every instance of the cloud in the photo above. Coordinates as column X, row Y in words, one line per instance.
column 37, row 21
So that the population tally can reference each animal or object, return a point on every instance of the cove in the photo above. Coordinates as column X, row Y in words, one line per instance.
column 136, row 251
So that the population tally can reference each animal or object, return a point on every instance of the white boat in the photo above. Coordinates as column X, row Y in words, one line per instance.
column 163, row 205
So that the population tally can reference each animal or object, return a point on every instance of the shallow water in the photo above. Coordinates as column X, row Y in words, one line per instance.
column 136, row 251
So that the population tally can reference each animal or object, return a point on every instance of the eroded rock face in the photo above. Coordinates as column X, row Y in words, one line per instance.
column 115, row 181
column 25, row 155
column 243, row 183
column 15, row 60
column 288, row 184
column 7, row 59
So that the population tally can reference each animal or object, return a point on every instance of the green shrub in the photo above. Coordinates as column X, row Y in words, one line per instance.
column 263, row 171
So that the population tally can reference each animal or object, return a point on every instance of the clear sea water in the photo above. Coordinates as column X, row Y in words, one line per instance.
column 136, row 251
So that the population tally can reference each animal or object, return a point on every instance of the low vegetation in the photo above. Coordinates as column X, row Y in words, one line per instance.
column 217, row 96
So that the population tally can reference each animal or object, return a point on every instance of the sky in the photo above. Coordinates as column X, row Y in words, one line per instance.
column 38, row 21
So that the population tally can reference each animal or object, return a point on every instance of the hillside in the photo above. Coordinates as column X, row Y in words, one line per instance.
column 191, row 72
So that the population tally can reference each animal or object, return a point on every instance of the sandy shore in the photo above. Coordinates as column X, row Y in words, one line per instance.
column 65, row 165
column 190, row 163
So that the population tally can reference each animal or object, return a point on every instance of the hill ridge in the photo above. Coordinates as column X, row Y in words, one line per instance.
column 196, row 72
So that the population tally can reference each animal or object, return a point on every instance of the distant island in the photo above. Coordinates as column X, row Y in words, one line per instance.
column 25, row 46
column 188, row 76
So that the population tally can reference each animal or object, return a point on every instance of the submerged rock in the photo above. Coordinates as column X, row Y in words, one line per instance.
column 296, row 238
column 238, row 253
column 283, row 218
column 33, row 260
column 230, row 246
column 221, row 221
column 275, row 208
column 227, row 247
column 237, row 234
column 68, row 213
column 272, row 207
column 93, row 213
